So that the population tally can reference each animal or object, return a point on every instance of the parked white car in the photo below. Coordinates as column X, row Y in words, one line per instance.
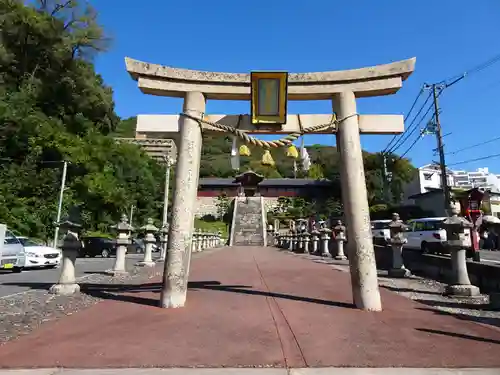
column 38, row 255
column 381, row 233
column 428, row 235
column 12, row 257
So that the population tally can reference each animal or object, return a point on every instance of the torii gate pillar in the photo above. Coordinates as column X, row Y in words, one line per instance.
column 187, row 172
column 362, row 263
column 343, row 87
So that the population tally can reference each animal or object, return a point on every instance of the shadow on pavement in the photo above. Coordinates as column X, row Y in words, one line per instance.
column 459, row 335
column 495, row 322
column 122, row 292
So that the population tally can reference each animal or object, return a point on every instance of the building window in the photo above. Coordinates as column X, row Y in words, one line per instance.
column 427, row 176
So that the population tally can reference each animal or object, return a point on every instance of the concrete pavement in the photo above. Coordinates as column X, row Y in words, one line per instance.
column 259, row 371
column 84, row 267
column 255, row 307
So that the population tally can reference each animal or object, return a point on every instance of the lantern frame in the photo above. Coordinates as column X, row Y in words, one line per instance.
column 280, row 82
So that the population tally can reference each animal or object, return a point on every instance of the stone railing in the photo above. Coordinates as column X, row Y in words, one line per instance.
column 206, row 240
column 323, row 242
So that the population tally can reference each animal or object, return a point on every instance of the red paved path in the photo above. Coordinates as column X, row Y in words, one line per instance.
column 307, row 320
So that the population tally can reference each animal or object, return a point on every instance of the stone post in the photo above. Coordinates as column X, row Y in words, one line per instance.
column 176, row 272
column 340, row 238
column 363, row 269
column 294, row 241
column 194, row 242
column 455, row 227
column 307, row 238
column 70, row 246
column 123, row 229
column 325, row 238
column 199, row 241
column 397, row 241
column 300, row 242
column 204, row 240
column 149, row 240
column 164, row 241
column 219, row 238
column 315, row 239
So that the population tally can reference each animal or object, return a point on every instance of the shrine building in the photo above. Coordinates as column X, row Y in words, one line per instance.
column 209, row 189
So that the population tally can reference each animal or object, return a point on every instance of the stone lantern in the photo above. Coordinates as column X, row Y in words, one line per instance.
column 164, row 242
column 397, row 241
column 455, row 227
column 306, row 237
column 314, row 240
column 325, row 239
column 123, row 229
column 340, row 237
column 149, row 240
column 71, row 246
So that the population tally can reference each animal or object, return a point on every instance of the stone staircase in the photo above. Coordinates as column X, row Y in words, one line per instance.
column 247, row 228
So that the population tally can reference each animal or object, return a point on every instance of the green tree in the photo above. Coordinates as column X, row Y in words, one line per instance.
column 315, row 172
column 55, row 108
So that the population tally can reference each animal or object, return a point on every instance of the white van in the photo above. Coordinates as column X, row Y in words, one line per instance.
column 12, row 256
column 428, row 235
column 381, row 233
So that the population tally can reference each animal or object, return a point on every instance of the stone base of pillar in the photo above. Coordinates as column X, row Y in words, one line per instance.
column 145, row 264
column 462, row 290
column 495, row 301
column 399, row 272
column 64, row 289
column 160, row 260
column 116, row 273
column 340, row 257
column 326, row 255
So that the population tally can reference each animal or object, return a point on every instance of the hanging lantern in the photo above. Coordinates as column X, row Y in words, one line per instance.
column 292, row 152
column 235, row 156
column 244, row 150
column 267, row 159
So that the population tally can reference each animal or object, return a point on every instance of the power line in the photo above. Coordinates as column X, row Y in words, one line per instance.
column 478, row 68
column 415, row 127
column 472, row 146
column 476, row 159
column 411, row 128
column 405, row 118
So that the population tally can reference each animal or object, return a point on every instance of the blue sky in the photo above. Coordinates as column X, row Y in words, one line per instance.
column 447, row 37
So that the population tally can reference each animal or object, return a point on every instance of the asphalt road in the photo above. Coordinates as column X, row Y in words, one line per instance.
column 84, row 267
column 490, row 257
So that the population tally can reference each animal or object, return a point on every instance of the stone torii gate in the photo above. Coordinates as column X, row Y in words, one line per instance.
column 342, row 87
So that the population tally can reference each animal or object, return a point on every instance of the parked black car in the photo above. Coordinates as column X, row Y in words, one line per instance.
column 94, row 246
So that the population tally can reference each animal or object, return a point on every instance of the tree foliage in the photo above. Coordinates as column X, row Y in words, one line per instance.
column 55, row 108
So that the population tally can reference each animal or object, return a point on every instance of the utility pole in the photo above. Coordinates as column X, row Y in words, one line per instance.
column 59, row 208
column 439, row 138
column 386, row 179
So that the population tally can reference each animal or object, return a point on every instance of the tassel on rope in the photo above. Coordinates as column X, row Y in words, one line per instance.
column 292, row 152
column 235, row 156
column 267, row 159
column 244, row 150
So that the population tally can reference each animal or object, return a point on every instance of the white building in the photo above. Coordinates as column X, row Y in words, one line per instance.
column 425, row 190
column 428, row 178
